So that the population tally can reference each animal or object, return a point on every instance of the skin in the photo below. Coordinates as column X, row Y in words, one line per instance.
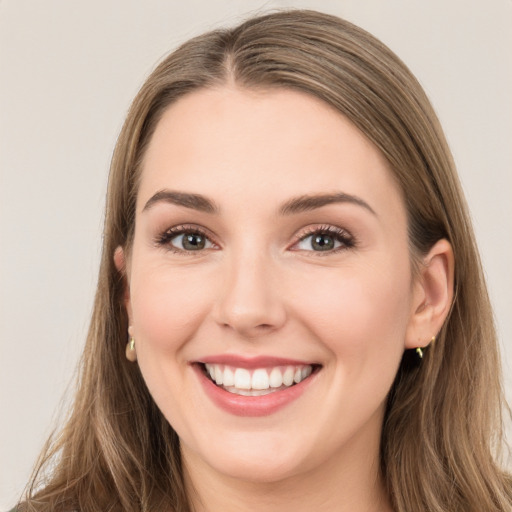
column 260, row 288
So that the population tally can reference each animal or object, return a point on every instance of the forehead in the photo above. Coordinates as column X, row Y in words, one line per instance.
column 239, row 145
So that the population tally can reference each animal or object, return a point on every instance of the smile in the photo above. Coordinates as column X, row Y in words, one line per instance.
column 254, row 386
column 259, row 381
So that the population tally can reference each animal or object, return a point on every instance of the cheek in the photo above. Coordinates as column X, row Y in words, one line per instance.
column 167, row 305
column 357, row 311
column 360, row 315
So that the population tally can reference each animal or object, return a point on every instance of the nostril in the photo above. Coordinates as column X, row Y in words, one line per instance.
column 249, row 305
column 248, row 330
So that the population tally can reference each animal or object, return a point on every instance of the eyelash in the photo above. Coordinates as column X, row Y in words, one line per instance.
column 165, row 238
column 340, row 235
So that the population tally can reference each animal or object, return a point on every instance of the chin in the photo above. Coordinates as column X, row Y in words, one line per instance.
column 254, row 460
column 268, row 470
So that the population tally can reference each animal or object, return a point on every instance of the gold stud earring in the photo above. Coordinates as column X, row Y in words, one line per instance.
column 419, row 350
column 131, row 353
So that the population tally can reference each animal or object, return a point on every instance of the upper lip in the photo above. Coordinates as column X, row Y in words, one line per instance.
column 253, row 362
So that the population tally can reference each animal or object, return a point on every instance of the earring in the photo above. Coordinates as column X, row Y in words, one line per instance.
column 419, row 350
column 131, row 353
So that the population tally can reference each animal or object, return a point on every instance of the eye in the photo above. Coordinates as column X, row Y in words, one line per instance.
column 184, row 239
column 190, row 242
column 325, row 239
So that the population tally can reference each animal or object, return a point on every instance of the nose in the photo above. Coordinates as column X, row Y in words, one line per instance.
column 251, row 302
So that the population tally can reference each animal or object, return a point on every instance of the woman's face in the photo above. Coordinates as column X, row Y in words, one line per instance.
column 270, row 248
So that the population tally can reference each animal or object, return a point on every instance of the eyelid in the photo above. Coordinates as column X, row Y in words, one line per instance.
column 164, row 238
column 344, row 236
column 347, row 239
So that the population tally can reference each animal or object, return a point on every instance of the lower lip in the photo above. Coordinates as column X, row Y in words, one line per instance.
column 251, row 405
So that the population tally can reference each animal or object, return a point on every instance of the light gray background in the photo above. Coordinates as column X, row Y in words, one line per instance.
column 68, row 71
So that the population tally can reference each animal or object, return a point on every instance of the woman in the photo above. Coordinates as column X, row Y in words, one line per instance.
column 291, row 311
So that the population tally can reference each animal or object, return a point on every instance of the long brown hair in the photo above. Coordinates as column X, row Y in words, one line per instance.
column 443, row 423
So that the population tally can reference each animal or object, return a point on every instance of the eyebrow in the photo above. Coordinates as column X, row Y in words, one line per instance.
column 188, row 200
column 312, row 202
column 295, row 205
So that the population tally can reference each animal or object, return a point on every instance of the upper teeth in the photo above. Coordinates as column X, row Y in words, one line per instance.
column 258, row 379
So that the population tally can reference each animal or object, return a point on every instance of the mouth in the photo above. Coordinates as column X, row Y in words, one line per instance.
column 256, row 382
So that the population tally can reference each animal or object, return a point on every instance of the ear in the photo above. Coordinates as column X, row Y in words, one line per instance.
column 120, row 261
column 432, row 295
